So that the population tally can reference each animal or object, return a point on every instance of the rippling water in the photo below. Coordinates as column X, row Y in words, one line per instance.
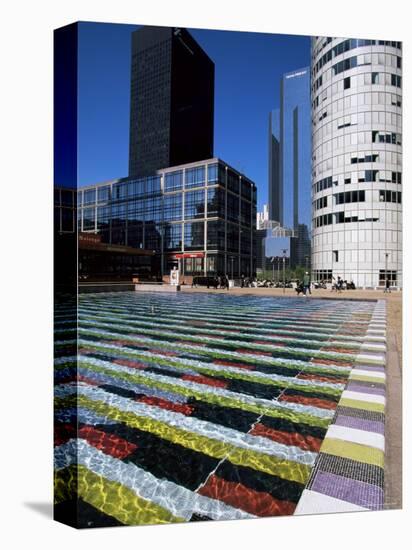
column 185, row 407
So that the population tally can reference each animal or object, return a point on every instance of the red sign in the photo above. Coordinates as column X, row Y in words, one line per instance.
column 89, row 238
column 188, row 255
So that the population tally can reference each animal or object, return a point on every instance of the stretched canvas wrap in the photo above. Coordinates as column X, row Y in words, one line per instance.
column 228, row 274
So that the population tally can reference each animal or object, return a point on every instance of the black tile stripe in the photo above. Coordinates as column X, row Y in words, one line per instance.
column 277, row 487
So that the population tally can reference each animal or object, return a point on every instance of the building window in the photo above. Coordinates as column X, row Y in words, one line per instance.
column 396, row 177
column 173, row 236
column 173, row 181
column 103, row 194
column 195, row 177
column 321, row 203
column 172, row 207
column 212, row 173
column 194, row 235
column 336, row 256
column 375, row 78
column 391, row 275
column 346, row 83
column 89, row 196
column 232, row 207
column 370, row 175
column 345, row 65
column 349, row 196
column 323, row 275
column 233, row 181
column 89, row 219
column 390, row 196
column 216, row 234
column 194, row 204
column 215, row 202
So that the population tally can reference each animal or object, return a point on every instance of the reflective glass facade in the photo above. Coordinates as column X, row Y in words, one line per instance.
column 199, row 216
column 290, row 162
column 172, row 96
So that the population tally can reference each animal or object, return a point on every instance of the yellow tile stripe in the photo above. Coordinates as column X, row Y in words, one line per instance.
column 363, row 405
column 365, row 378
column 110, row 497
column 354, row 451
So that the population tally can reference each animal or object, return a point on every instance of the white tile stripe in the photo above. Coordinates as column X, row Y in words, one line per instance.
column 368, row 397
column 354, row 435
column 312, row 502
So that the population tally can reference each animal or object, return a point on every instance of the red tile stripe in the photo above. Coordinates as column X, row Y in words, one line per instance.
column 165, row 404
column 205, row 380
column 129, row 363
column 108, row 443
column 237, row 495
column 307, row 443
column 313, row 401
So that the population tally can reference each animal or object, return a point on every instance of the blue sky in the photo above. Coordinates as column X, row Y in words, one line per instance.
column 248, row 68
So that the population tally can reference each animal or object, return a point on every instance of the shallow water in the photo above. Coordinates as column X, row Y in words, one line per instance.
column 196, row 407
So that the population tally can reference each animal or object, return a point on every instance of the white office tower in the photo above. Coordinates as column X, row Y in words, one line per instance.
column 262, row 217
column 356, row 93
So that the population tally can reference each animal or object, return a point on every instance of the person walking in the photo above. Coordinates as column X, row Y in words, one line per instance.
column 227, row 282
column 387, row 285
column 306, row 283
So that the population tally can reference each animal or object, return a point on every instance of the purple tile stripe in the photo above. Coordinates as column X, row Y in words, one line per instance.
column 353, row 386
column 350, row 490
column 360, row 424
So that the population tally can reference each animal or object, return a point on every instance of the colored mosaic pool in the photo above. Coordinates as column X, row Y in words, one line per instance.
column 183, row 407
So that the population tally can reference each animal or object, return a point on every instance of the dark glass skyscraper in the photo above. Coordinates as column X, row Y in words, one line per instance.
column 290, row 162
column 172, row 100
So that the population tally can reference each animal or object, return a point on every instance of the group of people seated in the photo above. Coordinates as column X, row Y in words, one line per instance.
column 339, row 284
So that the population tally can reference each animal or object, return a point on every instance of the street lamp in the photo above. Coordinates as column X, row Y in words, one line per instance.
column 278, row 269
column 273, row 268
column 284, row 260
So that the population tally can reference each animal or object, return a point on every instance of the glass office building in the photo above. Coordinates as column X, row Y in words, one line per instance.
column 290, row 162
column 357, row 160
column 200, row 217
column 172, row 97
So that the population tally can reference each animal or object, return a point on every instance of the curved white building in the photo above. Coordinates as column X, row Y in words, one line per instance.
column 356, row 91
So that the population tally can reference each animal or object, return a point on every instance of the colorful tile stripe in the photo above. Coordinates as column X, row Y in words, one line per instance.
column 178, row 407
column 348, row 474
